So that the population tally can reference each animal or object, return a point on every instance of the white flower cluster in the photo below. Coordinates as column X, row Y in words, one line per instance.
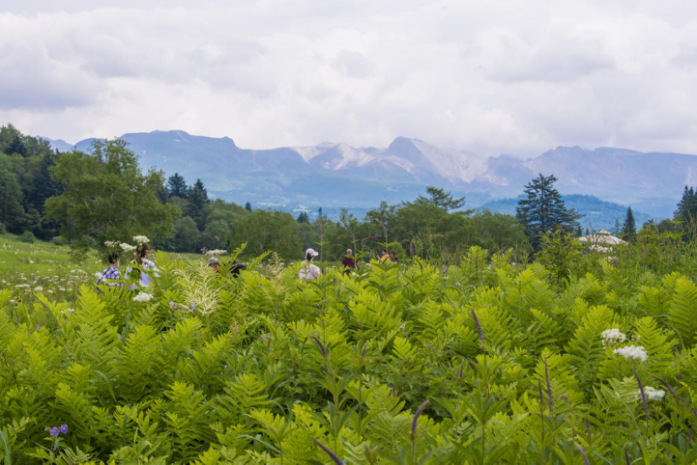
column 632, row 353
column 141, row 239
column 613, row 336
column 98, row 275
column 127, row 247
column 653, row 393
column 142, row 297
column 38, row 289
column 213, row 253
column 111, row 244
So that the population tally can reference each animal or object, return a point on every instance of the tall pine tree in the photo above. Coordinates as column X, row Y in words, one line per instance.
column 687, row 207
column 176, row 186
column 629, row 226
column 542, row 210
column 198, row 199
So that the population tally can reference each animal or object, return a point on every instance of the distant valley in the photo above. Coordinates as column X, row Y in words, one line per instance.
column 336, row 175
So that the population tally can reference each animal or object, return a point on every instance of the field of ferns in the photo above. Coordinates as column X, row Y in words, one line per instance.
column 486, row 361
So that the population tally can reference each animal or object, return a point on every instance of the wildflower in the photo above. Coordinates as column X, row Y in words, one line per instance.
column 54, row 431
column 142, row 297
column 192, row 306
column 613, row 336
column 171, row 304
column 141, row 239
column 127, row 247
column 212, row 253
column 64, row 429
column 653, row 393
column 402, row 326
column 98, row 275
column 632, row 353
column 22, row 286
column 111, row 244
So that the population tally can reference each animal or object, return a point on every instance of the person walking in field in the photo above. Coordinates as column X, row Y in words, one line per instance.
column 310, row 271
column 143, row 265
column 384, row 257
column 111, row 274
column 348, row 262
column 236, row 268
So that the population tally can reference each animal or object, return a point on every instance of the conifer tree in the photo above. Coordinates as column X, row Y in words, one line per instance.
column 248, row 206
column 176, row 186
column 542, row 210
column 687, row 207
column 198, row 199
column 441, row 199
column 629, row 226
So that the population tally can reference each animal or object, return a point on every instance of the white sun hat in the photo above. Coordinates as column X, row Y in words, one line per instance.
column 311, row 252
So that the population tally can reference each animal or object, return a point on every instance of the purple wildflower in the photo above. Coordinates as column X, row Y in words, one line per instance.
column 54, row 431
column 37, row 327
column 192, row 306
column 64, row 429
column 171, row 304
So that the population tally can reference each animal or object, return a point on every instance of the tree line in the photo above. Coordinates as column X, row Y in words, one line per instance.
column 85, row 199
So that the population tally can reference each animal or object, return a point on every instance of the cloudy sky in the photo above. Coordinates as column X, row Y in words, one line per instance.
column 496, row 76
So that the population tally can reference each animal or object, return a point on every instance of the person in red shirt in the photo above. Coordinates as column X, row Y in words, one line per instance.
column 349, row 262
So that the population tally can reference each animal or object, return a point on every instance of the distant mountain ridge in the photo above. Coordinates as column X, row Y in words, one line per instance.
column 336, row 174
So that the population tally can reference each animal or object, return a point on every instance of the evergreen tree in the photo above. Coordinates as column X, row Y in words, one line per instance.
column 198, row 199
column 542, row 210
column 176, row 186
column 629, row 226
column 303, row 218
column 17, row 146
column 441, row 199
column 248, row 206
column 687, row 207
column 319, row 212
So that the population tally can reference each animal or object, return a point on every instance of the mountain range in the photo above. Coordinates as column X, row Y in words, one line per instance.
column 336, row 175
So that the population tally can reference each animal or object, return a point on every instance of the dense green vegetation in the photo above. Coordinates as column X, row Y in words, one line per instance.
column 104, row 196
column 573, row 358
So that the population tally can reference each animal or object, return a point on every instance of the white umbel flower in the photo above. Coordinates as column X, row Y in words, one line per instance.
column 613, row 336
column 141, row 239
column 127, row 247
column 142, row 297
column 653, row 393
column 632, row 353
column 111, row 244
column 212, row 253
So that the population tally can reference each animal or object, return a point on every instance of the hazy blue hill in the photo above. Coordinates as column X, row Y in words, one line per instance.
column 598, row 213
column 59, row 144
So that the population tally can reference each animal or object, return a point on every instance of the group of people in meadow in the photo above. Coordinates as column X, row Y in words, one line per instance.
column 311, row 272
column 146, row 269
column 140, row 266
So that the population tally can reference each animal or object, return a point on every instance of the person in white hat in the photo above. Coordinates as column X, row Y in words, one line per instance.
column 310, row 271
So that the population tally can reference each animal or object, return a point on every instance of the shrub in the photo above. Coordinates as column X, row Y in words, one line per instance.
column 28, row 237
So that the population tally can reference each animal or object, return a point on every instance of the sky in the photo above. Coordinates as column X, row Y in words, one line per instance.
column 490, row 77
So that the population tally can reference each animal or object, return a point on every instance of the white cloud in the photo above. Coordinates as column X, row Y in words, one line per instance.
column 489, row 77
